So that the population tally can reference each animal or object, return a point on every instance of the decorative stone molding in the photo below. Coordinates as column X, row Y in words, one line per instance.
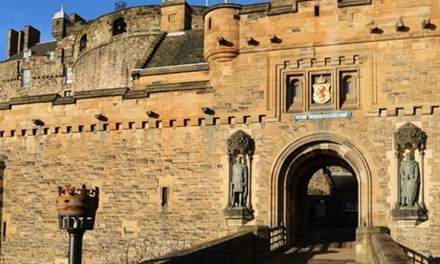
column 242, row 142
column 410, row 134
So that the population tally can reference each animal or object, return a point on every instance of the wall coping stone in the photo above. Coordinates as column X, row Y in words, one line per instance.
column 387, row 251
column 170, row 69
column 45, row 98
column 100, row 93
column 255, row 8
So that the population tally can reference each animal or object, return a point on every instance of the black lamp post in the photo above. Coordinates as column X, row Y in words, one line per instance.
column 76, row 213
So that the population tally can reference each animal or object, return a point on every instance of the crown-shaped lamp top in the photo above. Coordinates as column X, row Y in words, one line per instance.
column 79, row 202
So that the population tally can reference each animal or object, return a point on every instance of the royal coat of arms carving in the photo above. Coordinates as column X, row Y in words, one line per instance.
column 321, row 91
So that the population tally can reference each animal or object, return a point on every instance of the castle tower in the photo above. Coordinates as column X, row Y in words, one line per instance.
column 176, row 16
column 59, row 24
column 222, row 32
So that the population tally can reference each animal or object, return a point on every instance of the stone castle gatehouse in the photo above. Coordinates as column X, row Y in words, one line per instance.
column 196, row 122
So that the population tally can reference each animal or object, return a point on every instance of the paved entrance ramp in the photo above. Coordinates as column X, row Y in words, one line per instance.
column 315, row 254
column 321, row 247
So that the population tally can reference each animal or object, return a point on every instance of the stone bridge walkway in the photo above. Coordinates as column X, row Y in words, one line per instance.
column 315, row 254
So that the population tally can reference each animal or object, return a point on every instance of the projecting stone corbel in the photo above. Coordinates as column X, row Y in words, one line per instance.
column 374, row 29
column 426, row 24
column 152, row 114
column 221, row 41
column 101, row 117
column 208, row 111
column 38, row 122
column 274, row 39
column 252, row 41
column 400, row 26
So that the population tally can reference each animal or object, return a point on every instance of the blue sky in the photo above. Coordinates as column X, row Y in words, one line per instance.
column 19, row 13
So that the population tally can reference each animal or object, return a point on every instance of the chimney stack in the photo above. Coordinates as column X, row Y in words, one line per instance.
column 19, row 41
column 31, row 37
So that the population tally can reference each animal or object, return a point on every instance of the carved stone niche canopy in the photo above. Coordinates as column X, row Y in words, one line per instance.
column 241, row 148
column 410, row 136
column 240, row 142
column 409, row 141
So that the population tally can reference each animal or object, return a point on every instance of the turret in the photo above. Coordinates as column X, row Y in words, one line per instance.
column 176, row 16
column 222, row 32
column 59, row 24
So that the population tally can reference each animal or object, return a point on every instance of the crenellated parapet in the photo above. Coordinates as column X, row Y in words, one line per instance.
column 97, row 111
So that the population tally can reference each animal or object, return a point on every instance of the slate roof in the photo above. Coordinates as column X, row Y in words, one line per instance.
column 40, row 49
column 179, row 48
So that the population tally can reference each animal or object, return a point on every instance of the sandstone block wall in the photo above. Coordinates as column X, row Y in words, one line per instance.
column 131, row 157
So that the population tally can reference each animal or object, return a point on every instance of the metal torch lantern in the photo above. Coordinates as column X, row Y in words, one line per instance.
column 76, row 213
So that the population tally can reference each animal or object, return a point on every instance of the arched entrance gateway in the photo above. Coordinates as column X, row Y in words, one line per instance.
column 305, row 211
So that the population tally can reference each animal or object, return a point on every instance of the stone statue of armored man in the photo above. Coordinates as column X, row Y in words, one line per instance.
column 239, row 188
column 409, row 181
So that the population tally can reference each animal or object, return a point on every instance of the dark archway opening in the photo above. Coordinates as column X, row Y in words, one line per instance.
column 323, row 200
column 332, row 205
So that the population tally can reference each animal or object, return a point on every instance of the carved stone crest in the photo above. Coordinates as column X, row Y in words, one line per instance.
column 321, row 91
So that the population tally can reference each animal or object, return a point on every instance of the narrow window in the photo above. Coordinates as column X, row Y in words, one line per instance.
column 209, row 23
column 4, row 231
column 27, row 55
column 164, row 193
column 316, row 10
column 83, row 43
column 26, row 78
column 119, row 26
column 51, row 55
column 69, row 76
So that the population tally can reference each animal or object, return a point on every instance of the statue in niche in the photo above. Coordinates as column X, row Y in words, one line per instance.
column 239, row 188
column 409, row 181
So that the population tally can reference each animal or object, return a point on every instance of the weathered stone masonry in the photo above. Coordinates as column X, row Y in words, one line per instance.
column 133, row 126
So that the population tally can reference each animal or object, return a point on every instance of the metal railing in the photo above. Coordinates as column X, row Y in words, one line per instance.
column 277, row 237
